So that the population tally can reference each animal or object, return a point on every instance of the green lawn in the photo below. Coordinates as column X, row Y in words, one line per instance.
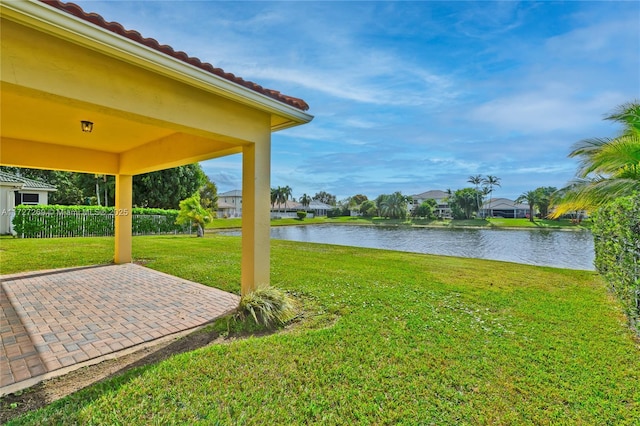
column 388, row 338
column 483, row 223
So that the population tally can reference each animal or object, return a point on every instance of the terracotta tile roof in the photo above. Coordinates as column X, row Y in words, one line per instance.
column 117, row 28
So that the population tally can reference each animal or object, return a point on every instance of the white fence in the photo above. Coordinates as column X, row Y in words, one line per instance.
column 65, row 223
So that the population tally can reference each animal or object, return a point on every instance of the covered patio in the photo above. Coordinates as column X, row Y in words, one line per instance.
column 78, row 93
column 85, row 95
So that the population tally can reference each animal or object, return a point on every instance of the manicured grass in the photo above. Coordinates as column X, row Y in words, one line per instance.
column 18, row 255
column 407, row 339
column 294, row 221
column 483, row 223
column 235, row 222
column 538, row 223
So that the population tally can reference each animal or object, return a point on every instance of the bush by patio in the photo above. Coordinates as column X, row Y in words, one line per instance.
column 267, row 306
column 616, row 231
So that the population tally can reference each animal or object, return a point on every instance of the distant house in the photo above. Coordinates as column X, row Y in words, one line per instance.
column 225, row 210
column 16, row 190
column 291, row 208
column 230, row 204
column 503, row 207
column 442, row 206
column 319, row 208
column 287, row 209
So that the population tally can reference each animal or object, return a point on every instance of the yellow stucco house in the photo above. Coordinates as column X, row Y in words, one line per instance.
column 81, row 94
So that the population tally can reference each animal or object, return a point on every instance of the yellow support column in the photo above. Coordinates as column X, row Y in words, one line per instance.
column 124, row 190
column 256, row 190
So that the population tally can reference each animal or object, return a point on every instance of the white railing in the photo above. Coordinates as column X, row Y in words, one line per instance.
column 61, row 223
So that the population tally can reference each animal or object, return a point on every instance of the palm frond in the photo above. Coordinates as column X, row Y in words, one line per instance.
column 590, row 194
column 622, row 154
column 609, row 167
column 627, row 114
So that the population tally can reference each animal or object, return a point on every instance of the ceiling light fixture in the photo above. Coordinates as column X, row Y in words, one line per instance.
column 87, row 126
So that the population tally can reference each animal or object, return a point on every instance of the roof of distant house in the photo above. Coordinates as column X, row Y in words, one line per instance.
column 135, row 36
column 319, row 205
column 222, row 205
column 25, row 183
column 232, row 193
column 431, row 195
column 295, row 205
column 503, row 203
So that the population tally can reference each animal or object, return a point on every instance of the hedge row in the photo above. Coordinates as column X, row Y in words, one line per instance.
column 616, row 231
column 90, row 221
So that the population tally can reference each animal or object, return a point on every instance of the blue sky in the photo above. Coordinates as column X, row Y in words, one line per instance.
column 413, row 96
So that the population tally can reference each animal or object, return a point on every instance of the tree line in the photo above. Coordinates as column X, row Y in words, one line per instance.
column 163, row 189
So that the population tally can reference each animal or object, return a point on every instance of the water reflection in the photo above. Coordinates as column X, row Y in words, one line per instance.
column 565, row 249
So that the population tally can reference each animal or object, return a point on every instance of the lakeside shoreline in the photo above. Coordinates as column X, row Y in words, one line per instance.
column 493, row 224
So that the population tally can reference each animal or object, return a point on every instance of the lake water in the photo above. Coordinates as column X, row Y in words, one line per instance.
column 563, row 249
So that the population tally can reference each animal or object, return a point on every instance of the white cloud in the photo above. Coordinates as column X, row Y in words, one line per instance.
column 490, row 19
column 599, row 42
column 543, row 112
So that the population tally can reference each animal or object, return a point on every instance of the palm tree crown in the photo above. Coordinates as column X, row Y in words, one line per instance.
column 305, row 200
column 609, row 168
column 477, row 181
column 532, row 198
column 489, row 182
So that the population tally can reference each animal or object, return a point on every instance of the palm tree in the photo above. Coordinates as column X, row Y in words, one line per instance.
column 477, row 181
column 532, row 198
column 489, row 182
column 287, row 193
column 274, row 197
column 609, row 167
column 191, row 211
column 305, row 200
column 544, row 199
column 393, row 205
column 281, row 197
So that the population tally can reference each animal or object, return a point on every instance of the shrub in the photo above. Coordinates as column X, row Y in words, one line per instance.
column 191, row 211
column 616, row 232
column 425, row 210
column 301, row 214
column 335, row 212
column 267, row 306
column 368, row 209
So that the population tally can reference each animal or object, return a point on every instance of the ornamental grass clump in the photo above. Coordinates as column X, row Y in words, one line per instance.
column 267, row 306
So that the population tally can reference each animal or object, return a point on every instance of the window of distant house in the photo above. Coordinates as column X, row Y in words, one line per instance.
column 30, row 198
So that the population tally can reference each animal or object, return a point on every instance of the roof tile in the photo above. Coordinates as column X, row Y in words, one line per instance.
column 133, row 35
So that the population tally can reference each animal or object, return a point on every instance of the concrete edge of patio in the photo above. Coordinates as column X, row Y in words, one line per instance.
column 28, row 383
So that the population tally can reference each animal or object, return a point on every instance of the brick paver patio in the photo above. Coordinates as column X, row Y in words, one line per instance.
column 55, row 321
